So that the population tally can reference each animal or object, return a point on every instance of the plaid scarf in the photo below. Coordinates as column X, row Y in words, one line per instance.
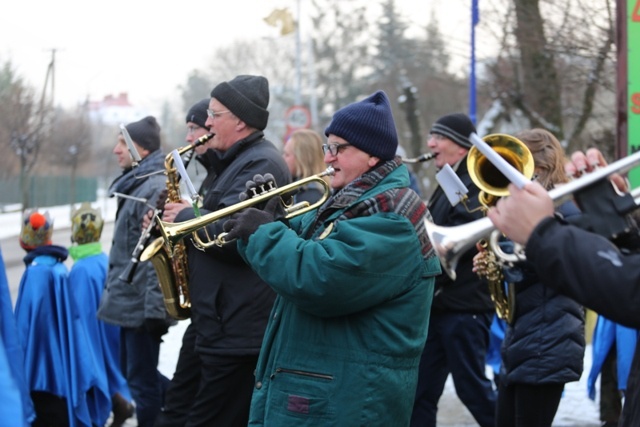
column 401, row 200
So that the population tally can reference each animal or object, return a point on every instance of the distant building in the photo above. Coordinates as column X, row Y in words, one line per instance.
column 113, row 110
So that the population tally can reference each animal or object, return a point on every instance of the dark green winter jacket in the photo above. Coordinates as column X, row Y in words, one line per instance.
column 354, row 281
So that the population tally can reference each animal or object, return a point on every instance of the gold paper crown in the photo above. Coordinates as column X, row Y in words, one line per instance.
column 86, row 224
column 36, row 230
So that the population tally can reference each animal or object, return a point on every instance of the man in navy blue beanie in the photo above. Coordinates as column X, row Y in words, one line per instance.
column 354, row 279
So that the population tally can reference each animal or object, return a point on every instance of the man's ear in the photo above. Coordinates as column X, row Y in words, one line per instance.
column 240, row 126
column 373, row 160
column 142, row 151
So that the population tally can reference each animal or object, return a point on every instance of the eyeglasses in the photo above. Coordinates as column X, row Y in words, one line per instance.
column 334, row 149
column 213, row 114
column 192, row 129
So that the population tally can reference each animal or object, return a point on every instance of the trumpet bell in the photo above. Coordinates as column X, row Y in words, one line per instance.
column 450, row 243
column 487, row 177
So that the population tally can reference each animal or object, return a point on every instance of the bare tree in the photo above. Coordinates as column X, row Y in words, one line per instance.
column 550, row 69
column 24, row 123
column 71, row 145
column 198, row 86
column 343, row 53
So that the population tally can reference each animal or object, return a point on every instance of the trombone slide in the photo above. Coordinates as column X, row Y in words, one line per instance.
column 451, row 242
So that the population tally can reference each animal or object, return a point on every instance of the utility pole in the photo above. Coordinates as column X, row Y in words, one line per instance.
column 49, row 76
column 298, row 98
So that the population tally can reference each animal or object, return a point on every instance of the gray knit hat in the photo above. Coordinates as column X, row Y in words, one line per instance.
column 247, row 97
column 145, row 133
column 457, row 127
column 198, row 113
column 367, row 125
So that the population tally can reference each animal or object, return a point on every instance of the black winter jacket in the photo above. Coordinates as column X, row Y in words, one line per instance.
column 230, row 304
column 591, row 270
column 545, row 344
column 468, row 294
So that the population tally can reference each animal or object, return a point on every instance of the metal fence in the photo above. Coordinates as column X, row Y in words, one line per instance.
column 48, row 191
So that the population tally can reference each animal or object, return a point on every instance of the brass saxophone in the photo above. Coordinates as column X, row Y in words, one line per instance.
column 171, row 265
column 488, row 266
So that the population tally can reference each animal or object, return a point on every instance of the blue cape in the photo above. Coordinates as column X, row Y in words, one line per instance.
column 52, row 334
column 15, row 402
column 605, row 334
column 86, row 281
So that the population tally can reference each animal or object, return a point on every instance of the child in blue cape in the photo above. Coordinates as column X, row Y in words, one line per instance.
column 86, row 279
column 58, row 373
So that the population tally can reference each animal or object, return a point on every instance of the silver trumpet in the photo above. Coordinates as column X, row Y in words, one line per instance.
column 451, row 242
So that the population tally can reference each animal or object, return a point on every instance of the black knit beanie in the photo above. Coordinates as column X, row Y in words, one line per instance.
column 247, row 97
column 145, row 133
column 457, row 127
column 367, row 125
column 198, row 113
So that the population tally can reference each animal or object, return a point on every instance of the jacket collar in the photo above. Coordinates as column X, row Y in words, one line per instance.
column 58, row 252
column 132, row 178
column 219, row 160
column 82, row 251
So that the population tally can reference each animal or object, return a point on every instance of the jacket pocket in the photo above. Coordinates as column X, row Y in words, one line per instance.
column 302, row 397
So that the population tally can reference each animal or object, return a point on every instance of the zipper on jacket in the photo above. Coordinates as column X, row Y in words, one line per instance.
column 302, row 373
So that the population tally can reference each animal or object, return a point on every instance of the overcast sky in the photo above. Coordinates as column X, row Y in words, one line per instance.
column 142, row 47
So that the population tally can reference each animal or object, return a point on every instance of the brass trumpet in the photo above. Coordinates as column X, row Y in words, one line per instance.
column 451, row 242
column 173, row 233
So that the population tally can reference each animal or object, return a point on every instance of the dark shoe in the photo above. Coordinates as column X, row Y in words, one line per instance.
column 122, row 410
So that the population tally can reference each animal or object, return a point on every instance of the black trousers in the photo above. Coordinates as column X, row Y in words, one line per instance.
column 527, row 405
column 184, row 385
column 224, row 393
column 457, row 345
column 610, row 396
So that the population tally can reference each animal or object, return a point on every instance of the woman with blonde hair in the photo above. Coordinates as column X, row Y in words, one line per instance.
column 303, row 155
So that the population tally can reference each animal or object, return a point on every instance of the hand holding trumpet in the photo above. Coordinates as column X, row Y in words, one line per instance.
column 518, row 215
column 244, row 223
column 589, row 161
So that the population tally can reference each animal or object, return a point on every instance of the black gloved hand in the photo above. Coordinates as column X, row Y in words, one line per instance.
column 245, row 223
column 156, row 328
column 258, row 185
